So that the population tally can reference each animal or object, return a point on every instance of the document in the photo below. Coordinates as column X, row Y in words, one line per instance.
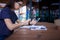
column 34, row 27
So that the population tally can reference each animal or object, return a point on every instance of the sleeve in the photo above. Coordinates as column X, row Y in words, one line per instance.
column 0, row 15
column 5, row 14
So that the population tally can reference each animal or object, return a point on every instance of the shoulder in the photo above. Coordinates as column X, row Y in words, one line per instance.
column 6, row 9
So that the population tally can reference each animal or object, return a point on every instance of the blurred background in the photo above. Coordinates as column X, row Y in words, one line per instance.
column 47, row 10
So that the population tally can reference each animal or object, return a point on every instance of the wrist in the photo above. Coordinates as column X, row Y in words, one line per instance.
column 21, row 24
column 29, row 23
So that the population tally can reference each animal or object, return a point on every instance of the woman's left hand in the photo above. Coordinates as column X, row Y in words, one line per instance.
column 33, row 22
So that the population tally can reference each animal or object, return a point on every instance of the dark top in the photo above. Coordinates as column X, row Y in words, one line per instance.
column 4, row 14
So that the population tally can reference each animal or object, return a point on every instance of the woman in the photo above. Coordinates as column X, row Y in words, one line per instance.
column 23, row 11
column 16, row 9
column 9, row 21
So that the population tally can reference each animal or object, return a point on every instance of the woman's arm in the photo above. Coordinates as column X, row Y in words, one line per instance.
column 12, row 26
column 21, row 13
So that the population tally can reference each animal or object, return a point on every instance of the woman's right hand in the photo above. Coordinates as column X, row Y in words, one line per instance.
column 26, row 22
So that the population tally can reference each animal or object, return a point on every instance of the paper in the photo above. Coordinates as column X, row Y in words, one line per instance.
column 34, row 27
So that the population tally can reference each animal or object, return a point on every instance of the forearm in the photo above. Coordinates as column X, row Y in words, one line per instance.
column 14, row 26
column 21, row 13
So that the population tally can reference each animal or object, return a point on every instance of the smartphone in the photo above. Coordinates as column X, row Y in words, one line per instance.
column 38, row 19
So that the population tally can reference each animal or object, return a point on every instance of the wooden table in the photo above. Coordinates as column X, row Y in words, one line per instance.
column 25, row 34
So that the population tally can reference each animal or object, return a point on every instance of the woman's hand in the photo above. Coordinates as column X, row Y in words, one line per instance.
column 26, row 22
column 33, row 22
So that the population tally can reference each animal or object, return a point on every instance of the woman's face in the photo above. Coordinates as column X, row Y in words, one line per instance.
column 16, row 6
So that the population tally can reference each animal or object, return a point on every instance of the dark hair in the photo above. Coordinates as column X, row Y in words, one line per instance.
column 10, row 4
column 19, row 0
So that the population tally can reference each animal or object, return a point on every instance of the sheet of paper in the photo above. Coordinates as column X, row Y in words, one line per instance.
column 34, row 27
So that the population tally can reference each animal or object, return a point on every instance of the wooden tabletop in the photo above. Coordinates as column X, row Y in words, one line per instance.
column 25, row 34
